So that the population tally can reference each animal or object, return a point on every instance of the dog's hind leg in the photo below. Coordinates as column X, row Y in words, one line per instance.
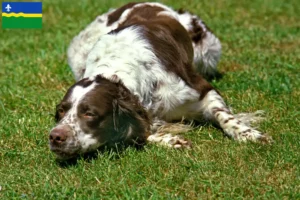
column 207, row 47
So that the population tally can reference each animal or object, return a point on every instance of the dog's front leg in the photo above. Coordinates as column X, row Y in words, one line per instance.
column 164, row 133
column 234, row 126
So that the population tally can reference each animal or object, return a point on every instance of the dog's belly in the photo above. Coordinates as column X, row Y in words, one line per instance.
column 189, row 110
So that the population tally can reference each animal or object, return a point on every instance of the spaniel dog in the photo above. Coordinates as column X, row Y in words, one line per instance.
column 139, row 69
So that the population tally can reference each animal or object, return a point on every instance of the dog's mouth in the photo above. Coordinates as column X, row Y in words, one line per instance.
column 63, row 154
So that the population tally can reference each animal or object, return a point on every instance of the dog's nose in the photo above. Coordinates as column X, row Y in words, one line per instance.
column 59, row 134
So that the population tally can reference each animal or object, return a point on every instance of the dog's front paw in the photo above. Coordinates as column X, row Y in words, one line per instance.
column 265, row 139
column 179, row 142
column 170, row 140
column 244, row 134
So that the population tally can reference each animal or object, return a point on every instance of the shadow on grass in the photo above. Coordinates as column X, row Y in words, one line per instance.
column 218, row 76
column 113, row 153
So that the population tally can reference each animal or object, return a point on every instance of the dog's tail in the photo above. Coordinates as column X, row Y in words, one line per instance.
column 207, row 47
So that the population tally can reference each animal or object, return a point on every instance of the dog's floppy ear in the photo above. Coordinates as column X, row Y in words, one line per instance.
column 128, row 113
column 124, row 109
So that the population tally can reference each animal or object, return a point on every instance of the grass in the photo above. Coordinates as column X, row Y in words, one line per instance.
column 261, row 57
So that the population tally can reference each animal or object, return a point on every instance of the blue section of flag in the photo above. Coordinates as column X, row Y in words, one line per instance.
column 24, row 7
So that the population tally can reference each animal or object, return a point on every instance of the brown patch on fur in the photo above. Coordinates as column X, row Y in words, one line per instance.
column 114, row 16
column 125, row 113
column 216, row 109
column 201, row 85
column 246, row 131
column 197, row 33
column 142, row 13
column 227, row 120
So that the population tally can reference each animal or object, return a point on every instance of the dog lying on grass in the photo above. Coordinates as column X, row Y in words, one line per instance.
column 139, row 69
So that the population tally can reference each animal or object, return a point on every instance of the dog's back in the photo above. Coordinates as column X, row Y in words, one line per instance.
column 207, row 47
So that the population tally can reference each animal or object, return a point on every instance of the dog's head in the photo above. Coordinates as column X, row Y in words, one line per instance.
column 95, row 113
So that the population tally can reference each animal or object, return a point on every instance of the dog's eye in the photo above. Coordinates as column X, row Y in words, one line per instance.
column 89, row 114
column 60, row 113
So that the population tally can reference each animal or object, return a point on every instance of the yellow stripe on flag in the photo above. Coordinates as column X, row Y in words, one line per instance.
column 20, row 15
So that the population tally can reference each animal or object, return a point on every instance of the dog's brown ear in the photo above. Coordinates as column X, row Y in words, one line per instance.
column 129, row 114
column 130, row 104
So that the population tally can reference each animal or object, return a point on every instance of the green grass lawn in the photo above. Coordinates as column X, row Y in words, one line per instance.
column 260, row 62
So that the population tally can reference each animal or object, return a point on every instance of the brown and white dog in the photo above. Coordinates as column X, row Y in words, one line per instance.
column 139, row 68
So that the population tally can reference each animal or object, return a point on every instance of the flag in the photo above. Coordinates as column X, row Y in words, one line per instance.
column 21, row 14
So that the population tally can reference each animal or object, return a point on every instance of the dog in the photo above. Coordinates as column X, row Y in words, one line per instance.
column 141, row 69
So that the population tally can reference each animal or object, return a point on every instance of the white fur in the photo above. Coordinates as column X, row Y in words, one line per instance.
column 82, row 44
column 185, row 19
column 207, row 55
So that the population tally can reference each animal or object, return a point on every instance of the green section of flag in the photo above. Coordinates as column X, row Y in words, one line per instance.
column 21, row 22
